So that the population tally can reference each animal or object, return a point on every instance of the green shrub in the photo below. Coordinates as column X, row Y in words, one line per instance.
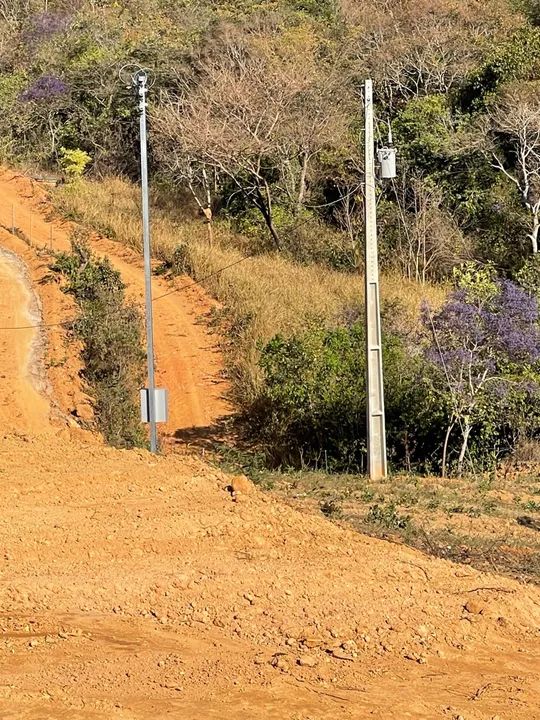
column 74, row 162
column 387, row 516
column 311, row 410
column 304, row 237
column 517, row 58
column 528, row 276
column 110, row 331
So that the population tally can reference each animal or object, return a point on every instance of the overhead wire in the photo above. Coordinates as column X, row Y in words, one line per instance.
column 197, row 281
column 35, row 327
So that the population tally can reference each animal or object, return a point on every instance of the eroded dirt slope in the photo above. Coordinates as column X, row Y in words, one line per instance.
column 23, row 404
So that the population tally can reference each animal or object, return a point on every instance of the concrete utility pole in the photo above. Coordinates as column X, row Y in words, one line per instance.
column 376, row 430
column 140, row 80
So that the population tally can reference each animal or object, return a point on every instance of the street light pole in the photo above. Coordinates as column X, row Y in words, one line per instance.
column 140, row 80
column 376, row 430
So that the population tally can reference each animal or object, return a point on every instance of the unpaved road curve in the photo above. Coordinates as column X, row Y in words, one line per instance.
column 189, row 362
column 24, row 407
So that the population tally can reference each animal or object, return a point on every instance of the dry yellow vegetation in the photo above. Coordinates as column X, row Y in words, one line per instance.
column 265, row 294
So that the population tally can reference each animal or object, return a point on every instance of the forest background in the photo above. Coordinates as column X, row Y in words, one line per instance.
column 256, row 164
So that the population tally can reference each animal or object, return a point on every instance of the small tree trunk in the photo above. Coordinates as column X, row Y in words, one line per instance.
column 273, row 232
column 534, row 236
column 466, row 433
column 445, row 446
column 208, row 209
column 208, row 215
column 265, row 207
column 302, row 186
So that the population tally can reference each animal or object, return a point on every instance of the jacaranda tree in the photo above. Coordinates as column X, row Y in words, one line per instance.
column 484, row 343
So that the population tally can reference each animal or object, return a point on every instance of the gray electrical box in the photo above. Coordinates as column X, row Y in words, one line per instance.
column 161, row 405
column 387, row 162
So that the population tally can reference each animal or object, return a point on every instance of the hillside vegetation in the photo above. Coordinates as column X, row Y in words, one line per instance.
column 256, row 153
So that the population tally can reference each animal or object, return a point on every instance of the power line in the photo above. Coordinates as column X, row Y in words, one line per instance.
column 159, row 297
column 41, row 325
column 206, row 277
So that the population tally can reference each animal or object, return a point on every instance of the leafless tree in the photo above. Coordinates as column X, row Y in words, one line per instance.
column 424, row 57
column 417, row 47
column 430, row 243
column 13, row 12
column 257, row 118
column 517, row 118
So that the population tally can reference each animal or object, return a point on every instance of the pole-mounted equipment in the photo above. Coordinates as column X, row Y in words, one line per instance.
column 376, row 426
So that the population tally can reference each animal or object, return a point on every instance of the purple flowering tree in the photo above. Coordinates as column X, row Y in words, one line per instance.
column 47, row 103
column 481, row 343
column 46, row 87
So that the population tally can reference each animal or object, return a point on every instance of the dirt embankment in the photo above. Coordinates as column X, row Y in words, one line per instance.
column 23, row 403
column 189, row 362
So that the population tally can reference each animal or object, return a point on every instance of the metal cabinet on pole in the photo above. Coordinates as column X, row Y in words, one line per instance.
column 140, row 80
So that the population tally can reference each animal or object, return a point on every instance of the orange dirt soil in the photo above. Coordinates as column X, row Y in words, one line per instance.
column 188, row 361
column 136, row 587
column 22, row 406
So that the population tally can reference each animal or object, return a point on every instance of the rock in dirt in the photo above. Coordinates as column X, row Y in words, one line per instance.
column 239, row 486
column 307, row 661
column 474, row 607
column 340, row 654
column 84, row 411
column 280, row 663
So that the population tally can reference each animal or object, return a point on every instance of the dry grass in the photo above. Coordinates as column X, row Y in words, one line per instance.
column 264, row 295
column 473, row 520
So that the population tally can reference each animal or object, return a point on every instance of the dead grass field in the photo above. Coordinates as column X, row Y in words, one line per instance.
column 263, row 295
column 475, row 520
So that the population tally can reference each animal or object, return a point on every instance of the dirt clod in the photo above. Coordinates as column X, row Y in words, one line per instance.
column 307, row 661
column 475, row 607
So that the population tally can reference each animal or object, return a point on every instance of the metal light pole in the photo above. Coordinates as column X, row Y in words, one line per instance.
column 140, row 80
column 376, row 430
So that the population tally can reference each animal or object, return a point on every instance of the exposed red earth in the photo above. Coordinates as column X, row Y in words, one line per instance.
column 139, row 587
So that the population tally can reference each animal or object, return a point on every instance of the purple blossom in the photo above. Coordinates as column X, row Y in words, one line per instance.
column 486, row 350
column 45, row 25
column 44, row 88
column 501, row 330
column 482, row 346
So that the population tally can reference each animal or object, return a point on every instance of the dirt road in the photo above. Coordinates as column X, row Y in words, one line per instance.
column 189, row 362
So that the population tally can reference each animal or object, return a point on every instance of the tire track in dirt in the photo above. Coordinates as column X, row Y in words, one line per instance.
column 189, row 361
